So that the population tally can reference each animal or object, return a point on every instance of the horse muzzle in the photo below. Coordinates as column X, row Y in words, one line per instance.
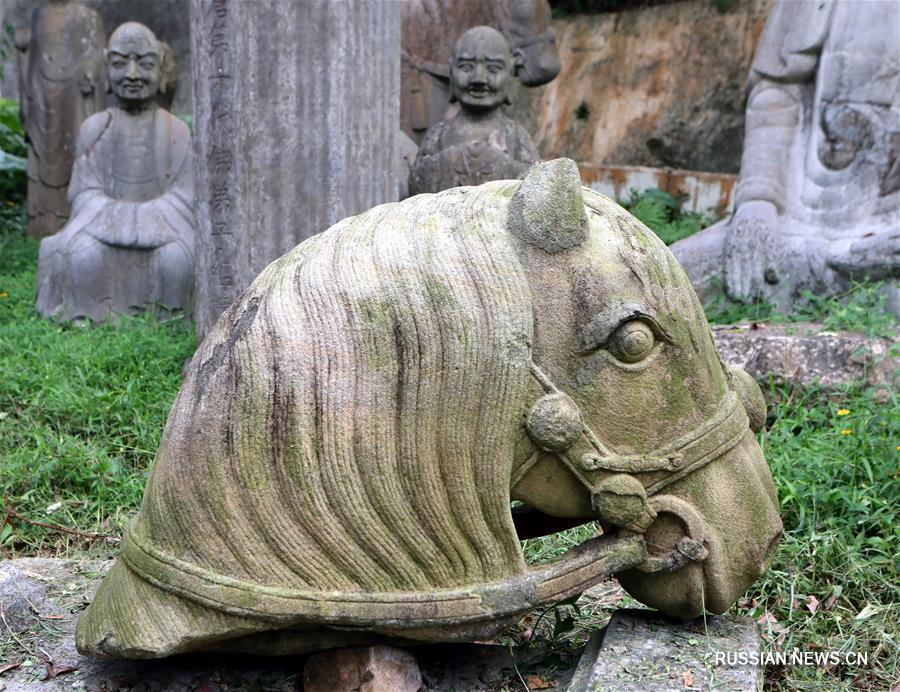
column 715, row 530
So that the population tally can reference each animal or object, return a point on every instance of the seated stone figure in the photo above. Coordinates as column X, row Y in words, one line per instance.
column 129, row 243
column 481, row 143
column 818, row 202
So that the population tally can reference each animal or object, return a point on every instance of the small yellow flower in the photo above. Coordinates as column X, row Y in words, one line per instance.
column 846, row 431
column 843, row 411
column 4, row 294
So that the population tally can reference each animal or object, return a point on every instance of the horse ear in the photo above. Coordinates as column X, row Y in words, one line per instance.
column 548, row 208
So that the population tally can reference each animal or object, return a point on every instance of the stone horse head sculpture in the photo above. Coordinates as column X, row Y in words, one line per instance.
column 339, row 463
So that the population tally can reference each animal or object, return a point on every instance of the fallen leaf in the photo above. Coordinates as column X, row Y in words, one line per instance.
column 536, row 682
column 765, row 618
column 688, row 678
column 54, row 670
column 6, row 667
column 866, row 612
column 52, row 508
column 813, row 604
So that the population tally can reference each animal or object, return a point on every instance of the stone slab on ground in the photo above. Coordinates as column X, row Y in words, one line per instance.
column 642, row 651
column 806, row 353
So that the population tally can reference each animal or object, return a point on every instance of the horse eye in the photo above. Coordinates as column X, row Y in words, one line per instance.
column 632, row 342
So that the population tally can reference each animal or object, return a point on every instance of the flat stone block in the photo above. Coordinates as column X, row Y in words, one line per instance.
column 641, row 651
column 805, row 353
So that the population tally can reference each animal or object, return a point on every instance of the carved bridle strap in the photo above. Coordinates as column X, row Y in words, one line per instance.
column 625, row 488
column 681, row 457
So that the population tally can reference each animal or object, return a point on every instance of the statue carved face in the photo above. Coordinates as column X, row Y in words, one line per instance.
column 134, row 60
column 482, row 69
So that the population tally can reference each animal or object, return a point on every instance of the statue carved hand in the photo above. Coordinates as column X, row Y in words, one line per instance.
column 749, row 249
column 475, row 148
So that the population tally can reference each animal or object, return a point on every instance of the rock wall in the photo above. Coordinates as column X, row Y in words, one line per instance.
column 655, row 86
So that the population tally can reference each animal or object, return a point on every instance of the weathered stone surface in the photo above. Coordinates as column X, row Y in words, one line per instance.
column 18, row 597
column 818, row 202
column 168, row 19
column 367, row 669
column 61, row 84
column 480, row 143
column 338, row 466
column 804, row 353
column 659, row 86
column 406, row 156
column 129, row 244
column 58, row 590
column 296, row 114
column 432, row 27
column 639, row 651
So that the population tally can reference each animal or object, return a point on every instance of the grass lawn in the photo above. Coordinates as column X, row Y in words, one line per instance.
column 82, row 410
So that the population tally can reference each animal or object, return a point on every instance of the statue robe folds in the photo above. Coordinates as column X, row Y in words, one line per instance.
column 444, row 162
column 129, row 244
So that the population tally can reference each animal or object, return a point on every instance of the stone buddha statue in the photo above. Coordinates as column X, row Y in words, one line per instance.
column 60, row 76
column 480, row 143
column 818, row 201
column 129, row 243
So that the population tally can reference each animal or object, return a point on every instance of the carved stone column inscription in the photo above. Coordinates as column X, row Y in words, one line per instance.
column 296, row 113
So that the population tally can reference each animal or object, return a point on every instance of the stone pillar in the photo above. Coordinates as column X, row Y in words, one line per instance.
column 296, row 113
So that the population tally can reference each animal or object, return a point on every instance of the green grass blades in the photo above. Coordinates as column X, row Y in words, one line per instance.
column 862, row 308
column 81, row 411
column 833, row 585
column 662, row 214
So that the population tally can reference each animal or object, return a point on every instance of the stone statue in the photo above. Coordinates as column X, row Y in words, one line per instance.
column 60, row 84
column 431, row 26
column 481, row 142
column 818, row 202
column 338, row 466
column 166, row 97
column 129, row 244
